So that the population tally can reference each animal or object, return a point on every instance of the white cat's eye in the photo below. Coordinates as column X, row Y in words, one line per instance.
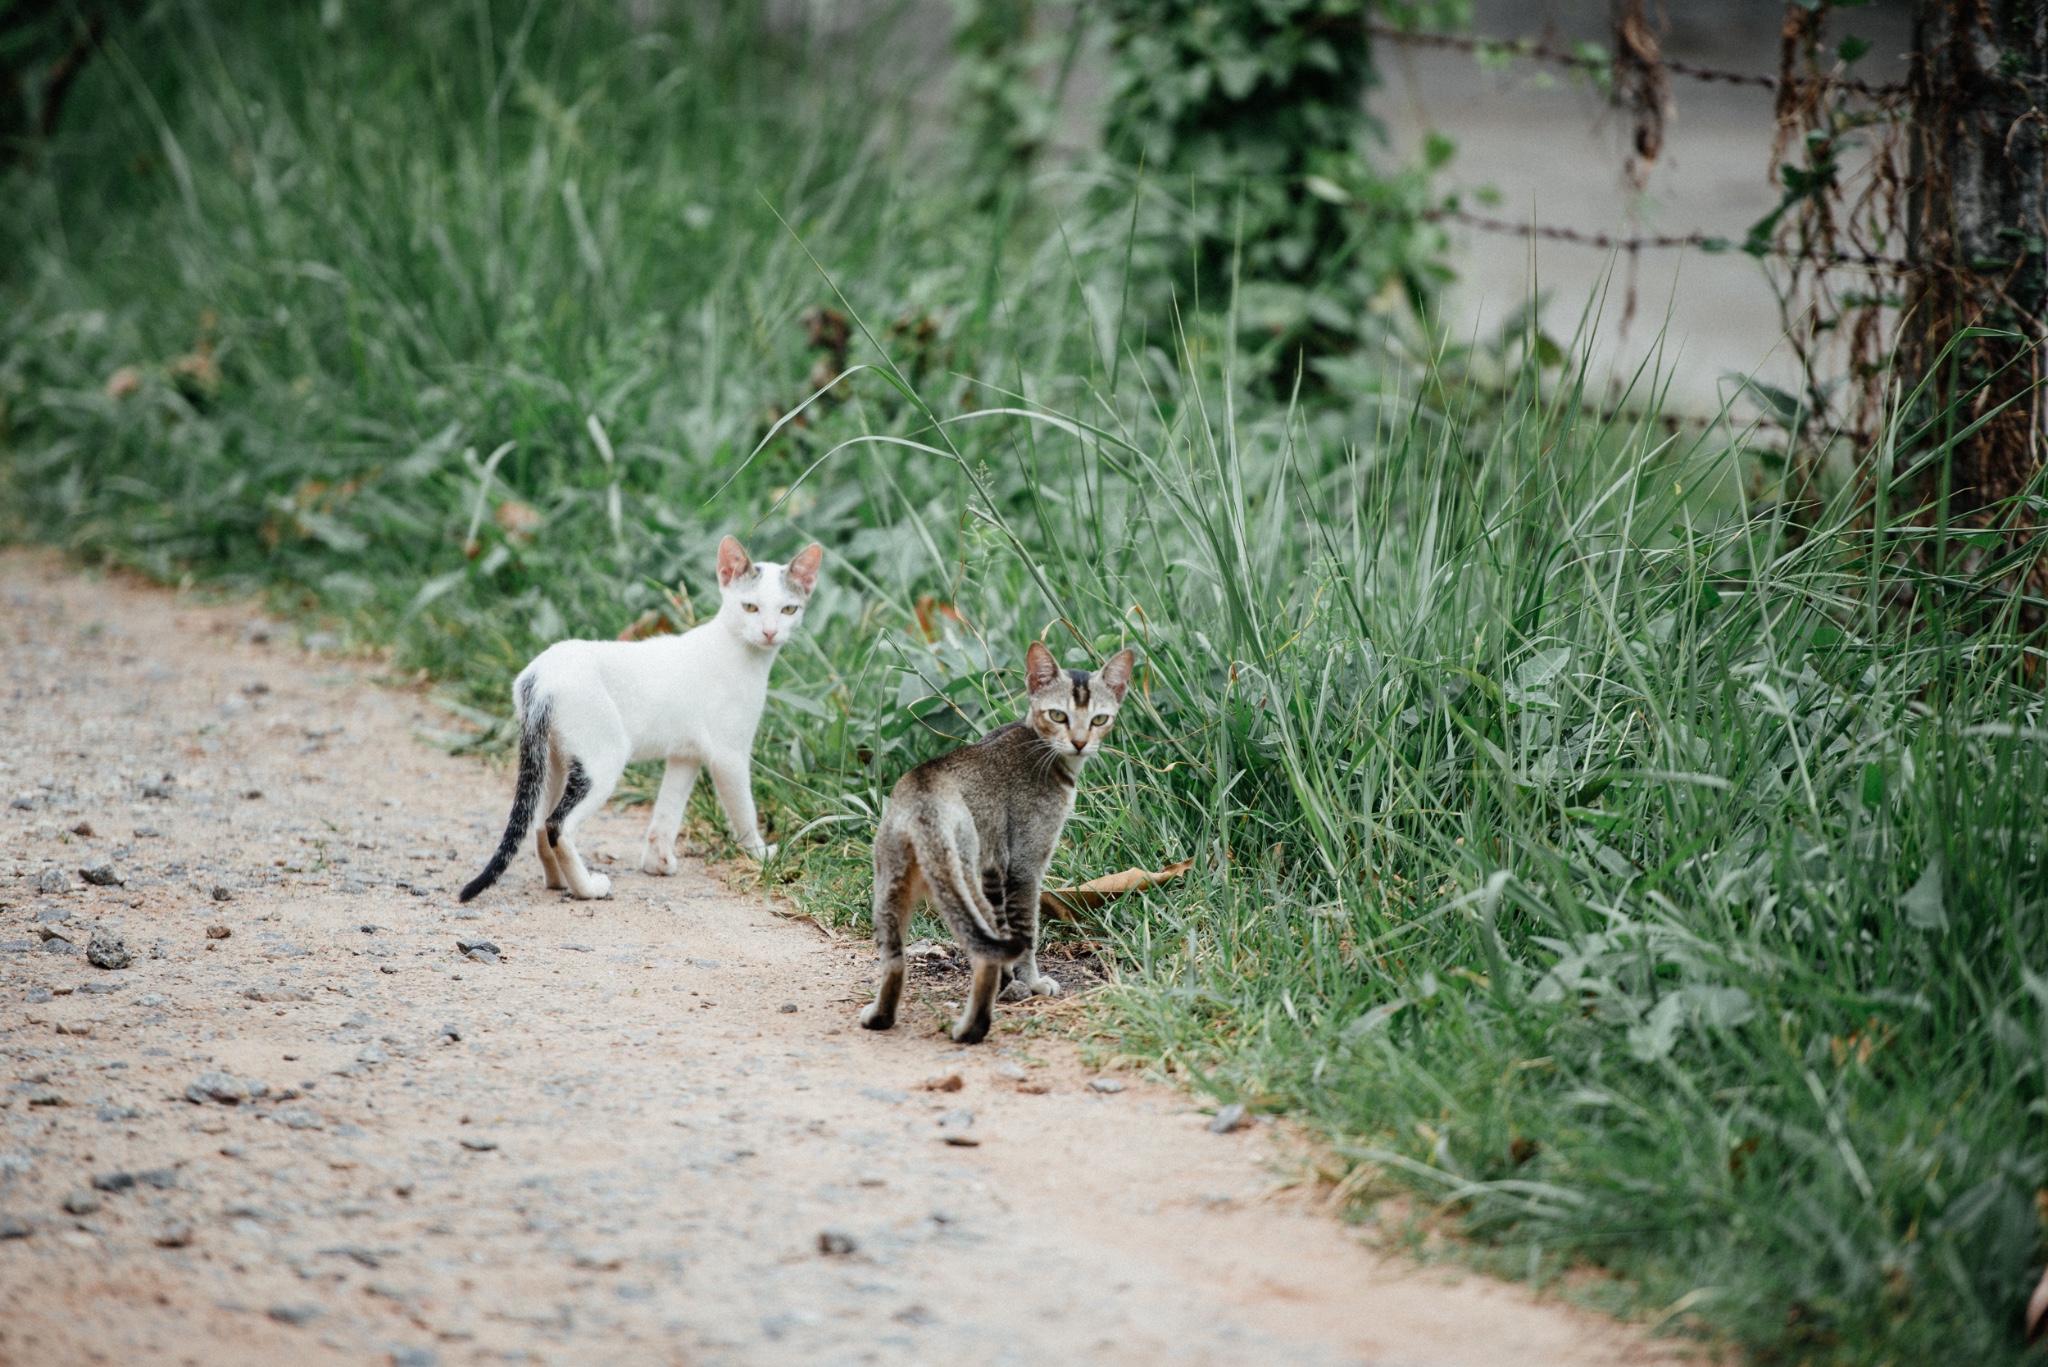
column 789, row 610
column 751, row 607
column 1099, row 719
column 1058, row 717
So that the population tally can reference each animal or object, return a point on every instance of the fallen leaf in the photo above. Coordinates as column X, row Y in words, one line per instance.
column 653, row 622
column 2037, row 1309
column 517, row 520
column 1067, row 903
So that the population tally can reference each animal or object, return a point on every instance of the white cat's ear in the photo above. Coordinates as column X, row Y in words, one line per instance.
column 1116, row 675
column 732, row 562
column 803, row 571
column 1040, row 669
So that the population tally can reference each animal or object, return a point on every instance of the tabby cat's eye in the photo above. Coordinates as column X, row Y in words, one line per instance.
column 789, row 610
column 1058, row 717
column 751, row 607
column 1099, row 719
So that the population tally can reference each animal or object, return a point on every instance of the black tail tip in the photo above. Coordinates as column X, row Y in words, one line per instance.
column 469, row 892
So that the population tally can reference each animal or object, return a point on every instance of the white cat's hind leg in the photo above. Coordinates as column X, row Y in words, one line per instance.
column 676, row 782
column 543, row 836
column 585, row 792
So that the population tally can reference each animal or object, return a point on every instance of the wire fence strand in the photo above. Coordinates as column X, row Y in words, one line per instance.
column 1595, row 60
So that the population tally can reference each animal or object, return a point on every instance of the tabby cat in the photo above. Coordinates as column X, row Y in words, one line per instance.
column 973, row 831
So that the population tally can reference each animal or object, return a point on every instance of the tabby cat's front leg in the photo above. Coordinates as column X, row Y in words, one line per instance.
column 1020, row 897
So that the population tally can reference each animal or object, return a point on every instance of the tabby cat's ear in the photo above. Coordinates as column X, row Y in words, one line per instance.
column 1040, row 669
column 732, row 562
column 1116, row 675
column 803, row 571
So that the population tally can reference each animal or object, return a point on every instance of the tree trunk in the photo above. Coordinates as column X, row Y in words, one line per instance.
column 1976, row 219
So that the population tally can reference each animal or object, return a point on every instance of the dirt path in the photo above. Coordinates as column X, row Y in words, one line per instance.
column 620, row 1144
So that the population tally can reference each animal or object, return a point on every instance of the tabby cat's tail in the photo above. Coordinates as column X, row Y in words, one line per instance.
column 533, row 765
column 955, row 898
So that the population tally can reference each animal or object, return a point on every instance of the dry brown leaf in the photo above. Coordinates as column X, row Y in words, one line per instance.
column 653, row 622
column 518, row 520
column 1067, row 903
column 2037, row 1309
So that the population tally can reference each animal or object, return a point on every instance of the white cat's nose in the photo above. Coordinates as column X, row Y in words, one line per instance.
column 767, row 638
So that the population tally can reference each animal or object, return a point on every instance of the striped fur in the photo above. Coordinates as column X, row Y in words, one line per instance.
column 972, row 832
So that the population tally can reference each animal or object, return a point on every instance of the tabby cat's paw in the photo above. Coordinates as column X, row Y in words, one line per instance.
column 1045, row 987
column 871, row 1017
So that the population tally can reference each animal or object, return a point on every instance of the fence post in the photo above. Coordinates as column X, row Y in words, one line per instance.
column 1976, row 219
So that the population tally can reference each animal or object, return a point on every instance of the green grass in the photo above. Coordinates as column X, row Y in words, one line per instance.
column 1651, row 886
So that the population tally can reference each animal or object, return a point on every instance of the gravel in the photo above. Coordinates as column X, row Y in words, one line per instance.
column 225, row 1088
column 107, row 951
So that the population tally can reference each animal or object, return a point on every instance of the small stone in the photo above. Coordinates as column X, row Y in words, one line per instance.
column 102, row 875
column 367, row 929
column 163, row 1179
column 1013, row 1071
column 221, row 893
column 253, row 795
column 277, row 994
column 788, row 1008
column 51, row 915
column 478, row 1144
column 1108, row 1086
column 467, row 946
column 107, row 951
column 218, row 932
column 36, row 996
column 225, row 1088
column 159, row 788
column 13, row 1228
column 1034, row 1087
column 46, row 1098
column 81, row 1203
column 53, row 883
column 944, row 1082
column 113, row 1181
column 56, row 932
column 152, row 999
column 16, row 946
column 294, row 1314
column 300, row 1118
column 450, row 1034
column 83, row 830
column 836, row 1243
column 600, row 1259
column 482, row 956
column 1229, row 1118
column 177, row 1234
column 961, row 1141
column 72, row 1028
column 415, row 1357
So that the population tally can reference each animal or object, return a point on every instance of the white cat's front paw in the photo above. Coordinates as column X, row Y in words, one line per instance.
column 761, row 853
column 600, row 886
column 1045, row 987
column 1016, row 991
column 657, row 862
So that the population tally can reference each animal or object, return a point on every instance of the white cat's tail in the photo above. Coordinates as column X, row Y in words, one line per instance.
column 533, row 765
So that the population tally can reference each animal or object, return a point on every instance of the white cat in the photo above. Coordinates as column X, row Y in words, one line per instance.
column 589, row 708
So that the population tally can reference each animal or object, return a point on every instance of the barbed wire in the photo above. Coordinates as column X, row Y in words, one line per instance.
column 1539, row 50
column 1706, row 242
